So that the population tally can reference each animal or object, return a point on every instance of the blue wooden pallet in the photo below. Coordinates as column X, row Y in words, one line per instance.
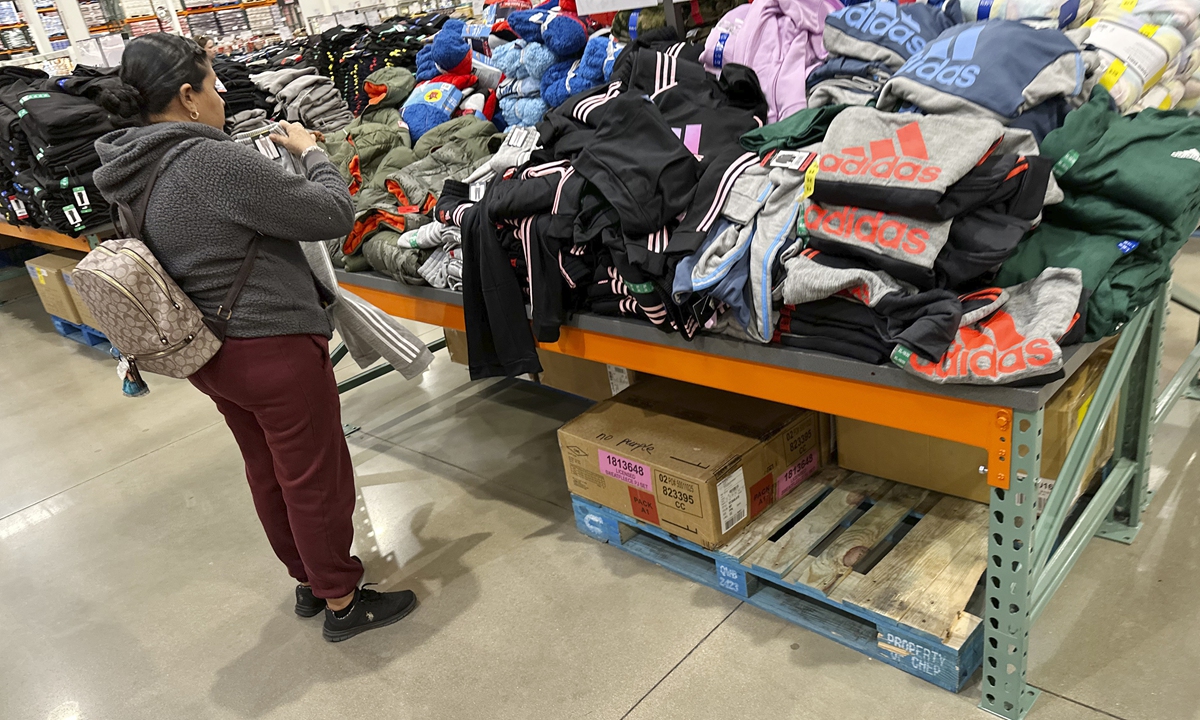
column 79, row 333
column 946, row 662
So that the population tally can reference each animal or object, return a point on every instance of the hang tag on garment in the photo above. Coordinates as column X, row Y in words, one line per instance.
column 792, row 159
column 81, row 197
column 18, row 207
column 73, row 215
column 475, row 192
column 810, row 179
column 267, row 147
column 122, row 368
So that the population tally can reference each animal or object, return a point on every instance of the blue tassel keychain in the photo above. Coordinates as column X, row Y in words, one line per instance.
column 131, row 380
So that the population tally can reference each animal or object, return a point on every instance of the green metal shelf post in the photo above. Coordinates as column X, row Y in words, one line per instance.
column 1009, row 583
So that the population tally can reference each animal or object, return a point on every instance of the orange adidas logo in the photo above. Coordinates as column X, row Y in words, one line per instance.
column 868, row 227
column 883, row 161
column 974, row 353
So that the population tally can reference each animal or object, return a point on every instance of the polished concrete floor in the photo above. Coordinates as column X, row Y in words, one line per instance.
column 136, row 583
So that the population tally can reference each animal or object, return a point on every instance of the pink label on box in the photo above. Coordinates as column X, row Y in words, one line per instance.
column 626, row 470
column 796, row 474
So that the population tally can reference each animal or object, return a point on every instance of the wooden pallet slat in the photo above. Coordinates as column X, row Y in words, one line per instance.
column 949, row 593
column 906, row 575
column 778, row 514
column 824, row 572
column 791, row 549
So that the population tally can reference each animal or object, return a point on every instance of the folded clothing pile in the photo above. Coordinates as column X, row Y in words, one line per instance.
column 407, row 183
column 204, row 23
column 1023, row 76
column 301, row 95
column 1132, row 187
column 1137, row 56
column 610, row 179
column 869, row 42
column 903, row 216
column 51, row 147
column 241, row 94
column 349, row 55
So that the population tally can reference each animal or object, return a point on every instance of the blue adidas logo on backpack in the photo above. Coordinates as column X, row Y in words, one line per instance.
column 947, row 61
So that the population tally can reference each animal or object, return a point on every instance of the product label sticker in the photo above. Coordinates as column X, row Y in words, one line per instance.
column 81, row 197
column 626, row 470
column 73, row 215
column 761, row 494
column 900, row 355
column 796, row 474
column 732, row 503
column 1132, row 51
column 810, row 179
column 633, row 21
column 683, row 495
column 643, row 505
column 18, row 207
column 1127, row 246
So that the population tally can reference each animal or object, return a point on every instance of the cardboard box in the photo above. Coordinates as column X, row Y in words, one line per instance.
column 954, row 468
column 85, row 315
column 699, row 463
column 46, row 271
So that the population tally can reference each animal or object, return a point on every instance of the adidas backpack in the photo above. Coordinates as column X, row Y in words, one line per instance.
column 144, row 313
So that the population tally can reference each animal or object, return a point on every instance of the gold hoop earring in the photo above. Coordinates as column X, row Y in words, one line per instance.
column 195, row 115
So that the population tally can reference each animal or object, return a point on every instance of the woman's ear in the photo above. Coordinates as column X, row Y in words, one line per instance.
column 187, row 98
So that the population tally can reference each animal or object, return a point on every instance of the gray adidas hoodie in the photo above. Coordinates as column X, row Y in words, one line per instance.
column 211, row 197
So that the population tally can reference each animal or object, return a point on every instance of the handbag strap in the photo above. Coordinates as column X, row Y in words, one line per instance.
column 220, row 323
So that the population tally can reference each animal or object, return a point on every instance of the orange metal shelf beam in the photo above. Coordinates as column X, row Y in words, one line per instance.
column 44, row 237
column 971, row 423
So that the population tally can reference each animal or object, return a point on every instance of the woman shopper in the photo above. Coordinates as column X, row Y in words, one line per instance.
column 273, row 378
column 208, row 45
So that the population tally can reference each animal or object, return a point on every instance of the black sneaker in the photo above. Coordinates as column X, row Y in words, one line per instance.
column 307, row 604
column 368, row 610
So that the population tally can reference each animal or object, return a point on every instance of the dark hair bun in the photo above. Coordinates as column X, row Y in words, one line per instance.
column 121, row 99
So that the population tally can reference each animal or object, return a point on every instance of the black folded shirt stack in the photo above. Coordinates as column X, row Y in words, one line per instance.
column 15, row 156
column 59, row 121
column 240, row 94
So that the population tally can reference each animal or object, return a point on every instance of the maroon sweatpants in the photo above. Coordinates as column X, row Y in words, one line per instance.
column 280, row 399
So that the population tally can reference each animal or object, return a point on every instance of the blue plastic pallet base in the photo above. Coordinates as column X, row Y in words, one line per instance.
column 907, row 648
column 80, row 333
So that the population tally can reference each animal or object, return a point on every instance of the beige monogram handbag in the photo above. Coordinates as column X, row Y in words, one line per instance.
column 144, row 313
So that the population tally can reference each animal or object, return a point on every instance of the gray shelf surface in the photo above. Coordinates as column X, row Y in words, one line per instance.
column 1027, row 399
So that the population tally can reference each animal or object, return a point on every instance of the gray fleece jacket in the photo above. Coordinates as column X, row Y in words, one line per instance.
column 211, row 197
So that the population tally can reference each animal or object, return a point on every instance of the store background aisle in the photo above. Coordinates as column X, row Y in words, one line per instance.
column 137, row 584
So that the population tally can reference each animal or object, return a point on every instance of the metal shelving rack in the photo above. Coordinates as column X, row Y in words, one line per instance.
column 1029, row 556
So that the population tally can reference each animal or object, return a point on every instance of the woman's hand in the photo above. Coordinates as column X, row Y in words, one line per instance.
column 297, row 139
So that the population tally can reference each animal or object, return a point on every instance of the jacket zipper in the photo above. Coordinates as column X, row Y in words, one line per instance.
column 149, row 270
column 124, row 291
